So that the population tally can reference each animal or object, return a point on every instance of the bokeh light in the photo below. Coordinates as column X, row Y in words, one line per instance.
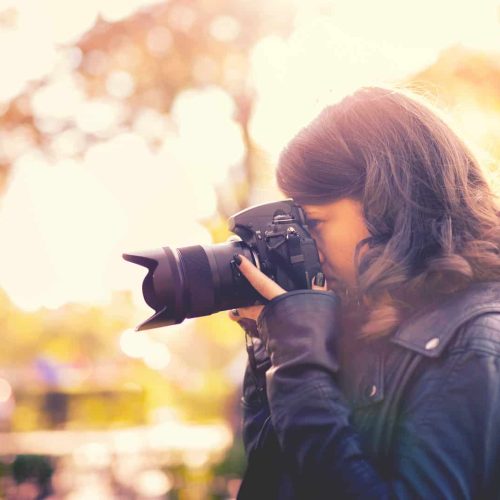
column 5, row 390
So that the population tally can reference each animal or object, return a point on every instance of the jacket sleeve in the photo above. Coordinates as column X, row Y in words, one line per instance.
column 440, row 447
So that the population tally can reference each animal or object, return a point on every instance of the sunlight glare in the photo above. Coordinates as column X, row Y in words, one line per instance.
column 338, row 46
column 210, row 141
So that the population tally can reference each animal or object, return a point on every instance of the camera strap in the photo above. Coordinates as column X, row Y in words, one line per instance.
column 258, row 367
column 250, row 352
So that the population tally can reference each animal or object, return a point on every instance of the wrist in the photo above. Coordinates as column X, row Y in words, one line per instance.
column 300, row 326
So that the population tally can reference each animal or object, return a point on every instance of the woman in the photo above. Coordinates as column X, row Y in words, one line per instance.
column 385, row 381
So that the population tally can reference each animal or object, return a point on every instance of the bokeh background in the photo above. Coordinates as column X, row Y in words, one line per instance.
column 135, row 124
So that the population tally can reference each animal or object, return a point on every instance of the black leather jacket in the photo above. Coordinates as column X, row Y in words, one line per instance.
column 413, row 415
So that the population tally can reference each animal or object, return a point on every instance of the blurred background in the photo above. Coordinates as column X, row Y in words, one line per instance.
column 135, row 124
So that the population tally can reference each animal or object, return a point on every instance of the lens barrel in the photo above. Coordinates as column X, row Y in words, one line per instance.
column 193, row 281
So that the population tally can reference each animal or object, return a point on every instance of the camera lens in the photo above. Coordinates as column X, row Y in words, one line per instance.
column 193, row 281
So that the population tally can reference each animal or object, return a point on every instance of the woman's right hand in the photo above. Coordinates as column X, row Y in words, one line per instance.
column 247, row 316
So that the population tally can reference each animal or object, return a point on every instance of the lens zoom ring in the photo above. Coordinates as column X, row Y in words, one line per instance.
column 200, row 283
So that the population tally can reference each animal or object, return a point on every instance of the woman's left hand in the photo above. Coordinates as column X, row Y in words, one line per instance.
column 264, row 285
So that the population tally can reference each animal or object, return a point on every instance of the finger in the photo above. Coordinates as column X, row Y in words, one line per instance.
column 245, row 313
column 264, row 285
column 234, row 315
column 319, row 282
column 250, row 312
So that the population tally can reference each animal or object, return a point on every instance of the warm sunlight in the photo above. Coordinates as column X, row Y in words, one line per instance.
column 69, row 216
column 131, row 125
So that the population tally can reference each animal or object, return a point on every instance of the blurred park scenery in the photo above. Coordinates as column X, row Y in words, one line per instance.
column 136, row 124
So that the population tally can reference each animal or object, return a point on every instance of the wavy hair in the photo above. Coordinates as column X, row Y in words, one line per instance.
column 433, row 220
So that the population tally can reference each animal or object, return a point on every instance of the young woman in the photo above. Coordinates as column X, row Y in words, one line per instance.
column 384, row 382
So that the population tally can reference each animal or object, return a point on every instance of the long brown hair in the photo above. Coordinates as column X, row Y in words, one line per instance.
column 433, row 219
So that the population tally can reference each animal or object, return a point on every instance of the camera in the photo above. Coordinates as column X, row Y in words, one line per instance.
column 198, row 280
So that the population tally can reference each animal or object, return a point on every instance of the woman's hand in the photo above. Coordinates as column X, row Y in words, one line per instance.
column 264, row 285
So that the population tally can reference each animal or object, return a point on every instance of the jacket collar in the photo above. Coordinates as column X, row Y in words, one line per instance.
column 429, row 331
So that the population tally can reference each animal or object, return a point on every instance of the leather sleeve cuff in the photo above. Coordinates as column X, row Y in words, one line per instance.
column 300, row 328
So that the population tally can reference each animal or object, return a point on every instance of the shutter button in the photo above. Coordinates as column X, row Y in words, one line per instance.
column 432, row 344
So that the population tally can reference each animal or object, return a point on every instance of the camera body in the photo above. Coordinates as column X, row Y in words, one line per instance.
column 282, row 247
column 199, row 280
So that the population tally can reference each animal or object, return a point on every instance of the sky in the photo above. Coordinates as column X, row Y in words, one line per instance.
column 65, row 222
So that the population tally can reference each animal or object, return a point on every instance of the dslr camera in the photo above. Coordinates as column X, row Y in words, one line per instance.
column 198, row 280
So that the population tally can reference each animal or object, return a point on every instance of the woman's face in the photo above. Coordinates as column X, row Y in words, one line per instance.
column 336, row 228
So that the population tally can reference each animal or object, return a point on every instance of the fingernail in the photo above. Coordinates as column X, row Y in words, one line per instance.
column 235, row 312
column 320, row 279
column 237, row 259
